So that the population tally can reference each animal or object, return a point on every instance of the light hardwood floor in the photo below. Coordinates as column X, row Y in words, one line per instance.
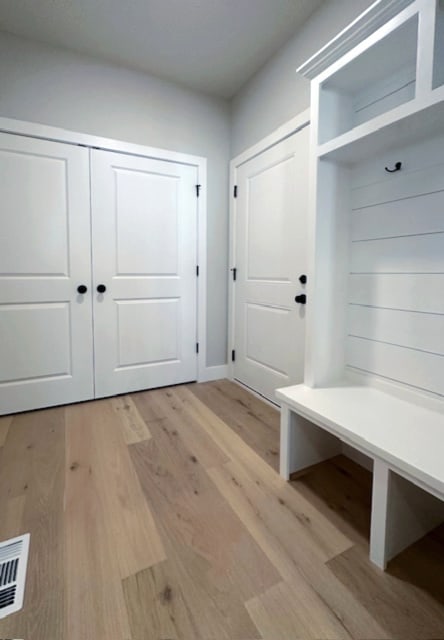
column 160, row 516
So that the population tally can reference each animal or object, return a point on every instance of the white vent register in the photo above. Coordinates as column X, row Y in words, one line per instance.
column 13, row 564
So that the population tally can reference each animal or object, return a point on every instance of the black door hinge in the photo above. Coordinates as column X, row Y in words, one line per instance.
column 234, row 270
column 197, row 270
column 235, row 191
column 197, row 347
column 233, row 356
column 198, row 188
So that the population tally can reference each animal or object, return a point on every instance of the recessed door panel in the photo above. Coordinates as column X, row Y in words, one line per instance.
column 144, row 253
column 270, row 236
column 269, row 218
column 36, row 341
column 146, row 200
column 266, row 331
column 33, row 193
column 45, row 325
column 141, row 322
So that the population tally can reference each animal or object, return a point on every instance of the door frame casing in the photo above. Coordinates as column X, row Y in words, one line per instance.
column 55, row 134
column 283, row 132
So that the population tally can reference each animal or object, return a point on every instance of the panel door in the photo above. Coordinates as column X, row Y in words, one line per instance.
column 271, row 217
column 45, row 325
column 144, row 253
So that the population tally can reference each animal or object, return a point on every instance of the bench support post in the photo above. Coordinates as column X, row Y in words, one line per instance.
column 303, row 444
column 401, row 514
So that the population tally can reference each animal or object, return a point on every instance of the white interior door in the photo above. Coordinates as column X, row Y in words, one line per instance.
column 45, row 325
column 144, row 221
column 270, row 236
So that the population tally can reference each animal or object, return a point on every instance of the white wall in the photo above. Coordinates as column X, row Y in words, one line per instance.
column 62, row 89
column 276, row 93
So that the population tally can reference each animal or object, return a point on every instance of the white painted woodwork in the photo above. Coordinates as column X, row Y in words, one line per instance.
column 411, row 122
column 302, row 443
column 270, row 255
column 407, row 436
column 381, row 78
column 412, row 367
column 408, row 254
column 407, row 184
column 377, row 239
column 405, row 217
column 408, row 481
column 45, row 325
column 411, row 329
column 396, row 291
column 367, row 23
column 401, row 514
column 144, row 228
column 376, row 283
column 397, row 228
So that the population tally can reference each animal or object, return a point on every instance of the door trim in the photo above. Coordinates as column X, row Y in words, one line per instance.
column 286, row 130
column 55, row 134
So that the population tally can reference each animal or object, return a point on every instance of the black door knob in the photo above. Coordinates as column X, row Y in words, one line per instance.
column 303, row 279
column 302, row 299
column 101, row 288
column 82, row 289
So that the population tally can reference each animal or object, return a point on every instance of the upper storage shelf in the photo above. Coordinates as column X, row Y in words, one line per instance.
column 380, row 80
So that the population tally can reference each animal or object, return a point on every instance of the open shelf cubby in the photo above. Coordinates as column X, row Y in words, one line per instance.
column 380, row 79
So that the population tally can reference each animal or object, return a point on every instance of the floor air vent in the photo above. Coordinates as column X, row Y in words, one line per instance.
column 13, row 563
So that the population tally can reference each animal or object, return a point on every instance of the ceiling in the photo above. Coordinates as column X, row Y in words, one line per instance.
column 213, row 46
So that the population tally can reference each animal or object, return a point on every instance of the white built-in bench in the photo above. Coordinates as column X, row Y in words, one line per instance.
column 404, row 440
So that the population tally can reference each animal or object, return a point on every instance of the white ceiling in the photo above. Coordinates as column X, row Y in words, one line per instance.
column 210, row 45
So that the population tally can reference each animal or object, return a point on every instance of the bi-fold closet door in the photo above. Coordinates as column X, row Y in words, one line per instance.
column 74, row 219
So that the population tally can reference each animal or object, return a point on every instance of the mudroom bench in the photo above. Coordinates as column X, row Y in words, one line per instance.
column 404, row 440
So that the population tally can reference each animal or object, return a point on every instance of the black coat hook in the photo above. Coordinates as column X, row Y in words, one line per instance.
column 398, row 166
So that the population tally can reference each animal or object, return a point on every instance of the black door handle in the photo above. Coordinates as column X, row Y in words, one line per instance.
column 82, row 289
column 302, row 299
column 101, row 288
column 303, row 279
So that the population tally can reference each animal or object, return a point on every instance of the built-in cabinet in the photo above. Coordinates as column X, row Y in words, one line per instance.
column 377, row 226
column 374, row 373
column 98, row 280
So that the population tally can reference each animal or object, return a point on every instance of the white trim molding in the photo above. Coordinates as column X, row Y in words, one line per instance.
column 45, row 132
column 278, row 135
column 214, row 373
column 363, row 26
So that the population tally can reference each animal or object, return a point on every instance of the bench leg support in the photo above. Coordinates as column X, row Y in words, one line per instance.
column 303, row 444
column 401, row 514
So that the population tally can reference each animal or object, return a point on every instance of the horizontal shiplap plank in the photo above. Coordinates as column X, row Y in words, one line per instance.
column 384, row 103
column 414, row 157
column 413, row 254
column 415, row 330
column 409, row 216
column 415, row 368
column 402, row 184
column 423, row 292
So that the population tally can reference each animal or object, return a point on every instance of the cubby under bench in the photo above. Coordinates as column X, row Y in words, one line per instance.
column 404, row 440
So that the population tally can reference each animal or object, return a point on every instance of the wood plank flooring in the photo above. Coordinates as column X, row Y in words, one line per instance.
column 160, row 516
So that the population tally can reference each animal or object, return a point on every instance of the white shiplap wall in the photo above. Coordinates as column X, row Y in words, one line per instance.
column 396, row 289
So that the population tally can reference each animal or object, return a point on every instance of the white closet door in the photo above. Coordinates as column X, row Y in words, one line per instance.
column 271, row 218
column 45, row 325
column 144, row 214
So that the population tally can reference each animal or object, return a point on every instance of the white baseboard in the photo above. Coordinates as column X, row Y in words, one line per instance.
column 214, row 373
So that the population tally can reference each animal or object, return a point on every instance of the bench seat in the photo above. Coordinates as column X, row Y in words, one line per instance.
column 404, row 440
